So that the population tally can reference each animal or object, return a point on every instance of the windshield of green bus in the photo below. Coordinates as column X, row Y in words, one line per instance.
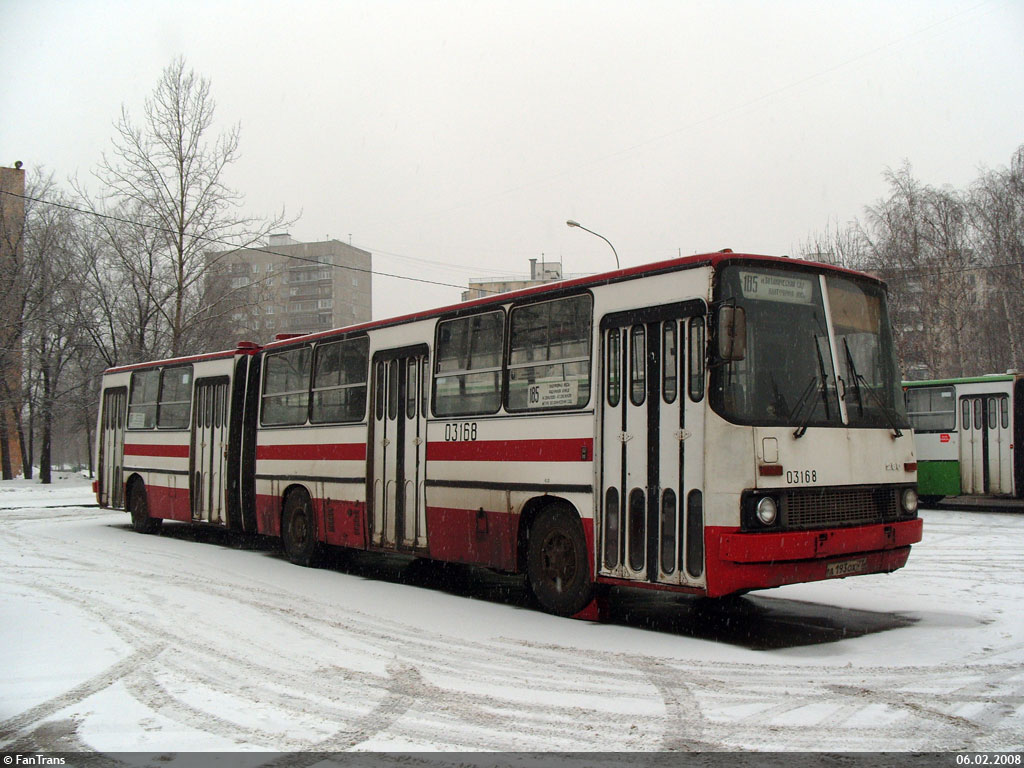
column 788, row 375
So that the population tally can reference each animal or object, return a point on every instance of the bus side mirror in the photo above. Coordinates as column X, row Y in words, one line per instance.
column 732, row 334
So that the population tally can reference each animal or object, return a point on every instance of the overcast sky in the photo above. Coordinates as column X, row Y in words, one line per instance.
column 454, row 139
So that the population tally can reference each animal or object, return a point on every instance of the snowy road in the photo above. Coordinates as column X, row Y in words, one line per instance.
column 115, row 641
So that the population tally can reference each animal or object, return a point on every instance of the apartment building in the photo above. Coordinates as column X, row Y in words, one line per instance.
column 292, row 287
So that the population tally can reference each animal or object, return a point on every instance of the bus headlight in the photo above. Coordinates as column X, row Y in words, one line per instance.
column 908, row 500
column 767, row 510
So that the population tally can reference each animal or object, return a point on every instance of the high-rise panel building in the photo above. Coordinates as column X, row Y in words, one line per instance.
column 291, row 287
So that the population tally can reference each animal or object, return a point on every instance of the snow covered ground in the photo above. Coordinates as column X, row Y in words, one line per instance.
column 196, row 641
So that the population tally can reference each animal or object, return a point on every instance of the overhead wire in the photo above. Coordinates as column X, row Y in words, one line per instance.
column 235, row 247
column 904, row 272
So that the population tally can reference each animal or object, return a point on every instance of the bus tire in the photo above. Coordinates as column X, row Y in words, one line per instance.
column 557, row 567
column 139, row 505
column 298, row 530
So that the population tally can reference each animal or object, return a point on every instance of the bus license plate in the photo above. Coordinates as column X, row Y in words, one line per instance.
column 845, row 568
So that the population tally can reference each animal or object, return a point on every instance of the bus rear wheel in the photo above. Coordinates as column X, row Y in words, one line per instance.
column 298, row 530
column 557, row 568
column 139, row 506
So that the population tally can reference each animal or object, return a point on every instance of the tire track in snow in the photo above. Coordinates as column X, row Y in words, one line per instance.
column 510, row 694
column 197, row 664
column 426, row 645
column 684, row 721
column 95, row 684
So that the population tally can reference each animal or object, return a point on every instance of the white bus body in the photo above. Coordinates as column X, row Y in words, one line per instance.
column 600, row 431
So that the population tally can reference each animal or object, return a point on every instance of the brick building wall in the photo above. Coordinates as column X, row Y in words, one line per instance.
column 12, row 225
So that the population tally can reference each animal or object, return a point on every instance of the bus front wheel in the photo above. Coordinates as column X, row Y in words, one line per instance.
column 557, row 569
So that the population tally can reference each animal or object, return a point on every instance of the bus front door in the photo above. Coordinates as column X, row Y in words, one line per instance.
column 208, row 455
column 110, row 470
column 398, row 449
column 986, row 442
column 650, row 525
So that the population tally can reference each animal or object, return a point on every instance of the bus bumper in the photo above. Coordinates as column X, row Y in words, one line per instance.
column 739, row 561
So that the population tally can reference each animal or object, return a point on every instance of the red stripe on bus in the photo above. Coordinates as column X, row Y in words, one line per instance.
column 574, row 449
column 149, row 449
column 314, row 452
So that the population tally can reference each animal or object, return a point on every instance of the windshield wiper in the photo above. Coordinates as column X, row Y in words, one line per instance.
column 804, row 399
column 856, row 377
column 859, row 381
column 820, row 380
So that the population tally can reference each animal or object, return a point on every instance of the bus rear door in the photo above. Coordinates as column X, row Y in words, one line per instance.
column 986, row 442
column 111, row 442
column 397, row 459
column 208, row 475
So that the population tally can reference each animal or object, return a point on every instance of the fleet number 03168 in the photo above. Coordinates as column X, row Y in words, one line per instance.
column 801, row 476
column 457, row 433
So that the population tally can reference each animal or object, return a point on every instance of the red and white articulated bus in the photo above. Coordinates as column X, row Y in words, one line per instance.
column 712, row 424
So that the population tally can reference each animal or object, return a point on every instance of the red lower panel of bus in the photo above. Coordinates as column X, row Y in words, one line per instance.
column 473, row 536
column 268, row 515
column 169, row 503
column 483, row 538
column 342, row 522
column 339, row 523
column 737, row 561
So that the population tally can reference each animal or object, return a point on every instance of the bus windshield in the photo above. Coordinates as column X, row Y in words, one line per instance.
column 801, row 369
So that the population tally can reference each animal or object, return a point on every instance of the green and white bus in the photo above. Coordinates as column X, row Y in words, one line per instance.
column 967, row 432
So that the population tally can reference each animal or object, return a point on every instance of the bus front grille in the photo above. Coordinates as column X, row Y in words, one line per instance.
column 832, row 507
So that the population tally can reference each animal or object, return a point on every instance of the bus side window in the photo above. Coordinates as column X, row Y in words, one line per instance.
column 614, row 375
column 379, row 390
column 393, row 390
column 286, row 388
column 339, row 381
column 142, row 400
column 669, row 361
column 549, row 354
column 638, row 365
column 695, row 351
column 467, row 375
column 175, row 397
column 411, row 377
column 425, row 386
column 931, row 409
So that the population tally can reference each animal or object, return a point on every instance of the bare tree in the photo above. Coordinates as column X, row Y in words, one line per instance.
column 919, row 240
column 997, row 216
column 126, row 268
column 53, row 333
column 167, row 177
column 840, row 245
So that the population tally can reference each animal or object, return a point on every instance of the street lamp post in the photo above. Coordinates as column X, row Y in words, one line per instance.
column 576, row 224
